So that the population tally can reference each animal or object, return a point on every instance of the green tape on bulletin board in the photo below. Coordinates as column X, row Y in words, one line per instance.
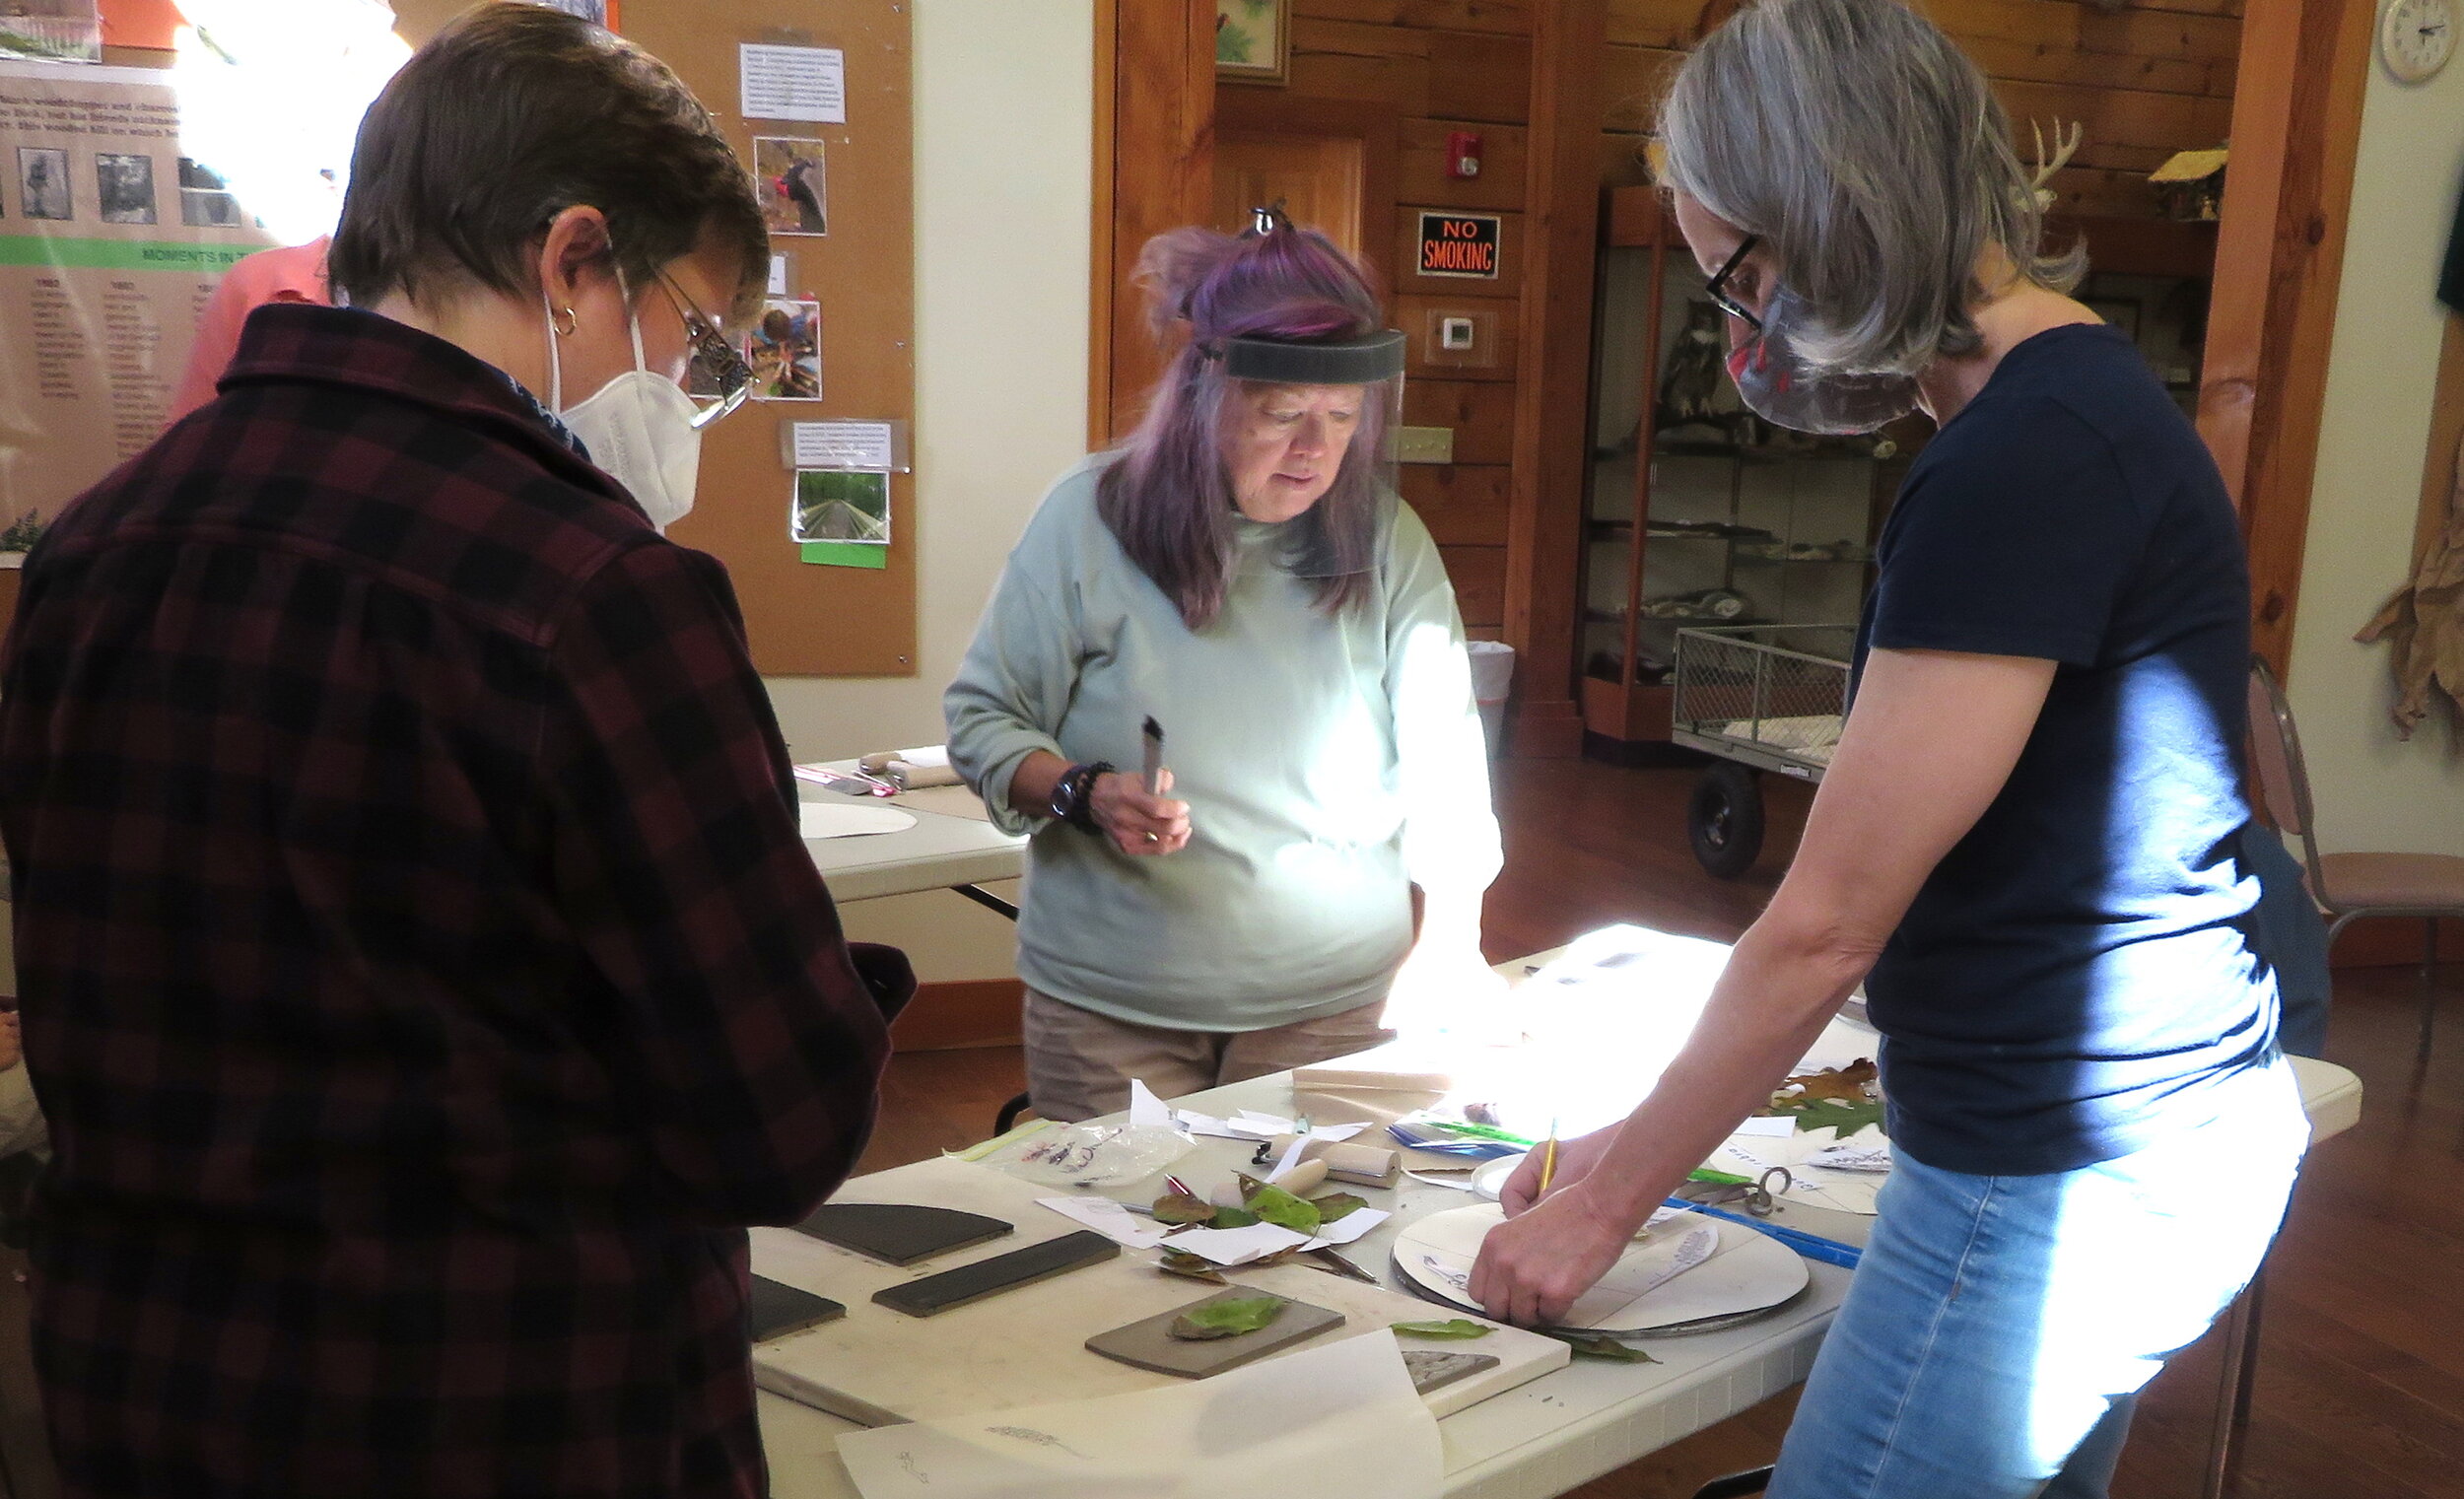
column 845, row 554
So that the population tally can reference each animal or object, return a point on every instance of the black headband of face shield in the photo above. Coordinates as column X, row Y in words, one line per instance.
column 1354, row 361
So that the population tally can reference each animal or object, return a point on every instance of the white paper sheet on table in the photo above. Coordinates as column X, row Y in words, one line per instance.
column 1238, row 1246
column 1352, row 1225
column 1111, row 1219
column 852, row 819
column 1235, row 1435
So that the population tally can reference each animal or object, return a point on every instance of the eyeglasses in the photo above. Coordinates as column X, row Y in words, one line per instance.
column 1717, row 289
column 718, row 378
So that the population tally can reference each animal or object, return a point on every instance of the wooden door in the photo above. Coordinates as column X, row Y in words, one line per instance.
column 1316, row 178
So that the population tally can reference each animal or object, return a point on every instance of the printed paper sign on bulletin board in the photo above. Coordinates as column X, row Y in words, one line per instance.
column 839, row 163
column 112, row 243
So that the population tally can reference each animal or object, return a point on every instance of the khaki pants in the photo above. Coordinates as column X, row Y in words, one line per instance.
column 1080, row 1063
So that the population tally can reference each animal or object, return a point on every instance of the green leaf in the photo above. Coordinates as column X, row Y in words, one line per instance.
column 1452, row 1326
column 1277, row 1206
column 1175, row 1207
column 1232, row 1217
column 1233, row 43
column 1227, row 1319
column 1586, row 1346
column 1338, row 1205
column 1844, row 1118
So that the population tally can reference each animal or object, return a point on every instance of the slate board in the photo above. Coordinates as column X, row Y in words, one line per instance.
column 951, row 1289
column 1148, row 1344
column 900, row 1233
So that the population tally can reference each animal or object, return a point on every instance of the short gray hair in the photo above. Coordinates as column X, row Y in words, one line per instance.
column 1872, row 157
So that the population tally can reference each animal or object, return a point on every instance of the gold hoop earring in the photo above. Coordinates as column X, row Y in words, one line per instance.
column 566, row 329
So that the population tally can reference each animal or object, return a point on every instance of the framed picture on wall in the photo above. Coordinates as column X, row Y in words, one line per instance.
column 1252, row 39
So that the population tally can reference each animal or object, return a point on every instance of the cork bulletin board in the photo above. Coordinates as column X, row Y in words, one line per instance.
column 807, row 618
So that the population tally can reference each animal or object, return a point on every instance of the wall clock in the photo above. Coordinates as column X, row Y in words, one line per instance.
column 2416, row 37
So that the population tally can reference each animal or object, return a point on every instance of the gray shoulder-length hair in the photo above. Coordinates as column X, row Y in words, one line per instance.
column 1869, row 152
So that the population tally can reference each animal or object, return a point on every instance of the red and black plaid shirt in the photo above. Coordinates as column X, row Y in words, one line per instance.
column 422, row 968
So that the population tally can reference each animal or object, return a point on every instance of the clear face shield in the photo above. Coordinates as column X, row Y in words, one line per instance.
column 1310, row 437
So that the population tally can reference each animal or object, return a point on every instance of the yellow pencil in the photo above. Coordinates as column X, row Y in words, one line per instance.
column 1548, row 1158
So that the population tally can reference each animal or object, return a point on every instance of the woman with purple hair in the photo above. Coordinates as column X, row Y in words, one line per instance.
column 1240, row 575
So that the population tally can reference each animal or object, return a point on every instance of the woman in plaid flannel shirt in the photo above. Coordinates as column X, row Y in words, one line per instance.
column 422, row 968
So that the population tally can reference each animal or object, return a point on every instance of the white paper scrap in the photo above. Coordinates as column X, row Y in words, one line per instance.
column 1109, row 1218
column 1206, row 1124
column 852, row 819
column 1350, row 1226
column 1335, row 1134
column 1871, row 1160
column 1263, row 1127
column 1291, row 1157
column 1146, row 1110
column 1237, row 1246
column 1313, row 1411
column 1768, row 1125
column 792, row 83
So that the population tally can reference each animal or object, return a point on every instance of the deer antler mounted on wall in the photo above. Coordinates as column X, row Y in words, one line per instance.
column 2066, row 141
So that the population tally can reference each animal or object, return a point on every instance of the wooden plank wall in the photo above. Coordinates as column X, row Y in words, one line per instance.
column 1441, row 65
column 2150, row 81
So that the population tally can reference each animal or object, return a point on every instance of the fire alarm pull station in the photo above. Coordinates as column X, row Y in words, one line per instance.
column 1463, row 153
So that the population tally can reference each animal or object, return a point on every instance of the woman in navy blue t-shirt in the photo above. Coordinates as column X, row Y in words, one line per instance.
column 2024, row 844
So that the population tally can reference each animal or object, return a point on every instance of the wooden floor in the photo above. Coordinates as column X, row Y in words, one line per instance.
column 2360, row 1388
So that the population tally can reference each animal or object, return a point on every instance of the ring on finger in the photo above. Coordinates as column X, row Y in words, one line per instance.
column 1152, row 838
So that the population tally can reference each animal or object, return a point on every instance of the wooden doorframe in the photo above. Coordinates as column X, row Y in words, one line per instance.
column 2297, row 128
column 1154, row 90
column 1553, row 385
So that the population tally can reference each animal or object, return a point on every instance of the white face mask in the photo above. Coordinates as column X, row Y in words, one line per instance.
column 638, row 426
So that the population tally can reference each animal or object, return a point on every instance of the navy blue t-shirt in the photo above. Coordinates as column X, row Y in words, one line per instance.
column 2074, row 977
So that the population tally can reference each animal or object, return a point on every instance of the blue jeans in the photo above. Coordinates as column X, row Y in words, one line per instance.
column 1999, row 1326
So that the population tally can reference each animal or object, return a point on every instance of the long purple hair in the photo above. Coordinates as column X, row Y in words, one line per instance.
column 1169, row 498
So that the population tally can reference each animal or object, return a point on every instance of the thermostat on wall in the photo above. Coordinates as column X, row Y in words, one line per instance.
column 1454, row 332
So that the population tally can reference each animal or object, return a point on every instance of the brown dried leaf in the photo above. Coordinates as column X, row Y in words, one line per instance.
column 1193, row 1266
column 1178, row 1207
column 1848, row 1084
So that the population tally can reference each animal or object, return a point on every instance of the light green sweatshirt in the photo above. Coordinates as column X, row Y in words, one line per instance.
column 1329, row 763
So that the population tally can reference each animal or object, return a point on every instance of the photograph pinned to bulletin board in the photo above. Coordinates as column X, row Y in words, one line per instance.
column 834, row 73
column 783, row 347
column 794, row 183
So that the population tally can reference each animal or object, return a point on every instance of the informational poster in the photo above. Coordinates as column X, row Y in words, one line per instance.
column 792, row 83
column 111, row 242
column 878, row 445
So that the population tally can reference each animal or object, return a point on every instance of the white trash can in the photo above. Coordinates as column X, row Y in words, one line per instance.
column 1492, row 674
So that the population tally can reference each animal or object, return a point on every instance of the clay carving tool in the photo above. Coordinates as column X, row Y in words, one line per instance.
column 1548, row 1159
column 1336, row 1264
column 1153, row 734
column 935, row 1294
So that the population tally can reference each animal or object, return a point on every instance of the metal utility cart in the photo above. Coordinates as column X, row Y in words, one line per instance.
column 1759, row 698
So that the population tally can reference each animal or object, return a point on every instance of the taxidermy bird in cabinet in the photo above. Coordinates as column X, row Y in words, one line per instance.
column 1689, row 383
